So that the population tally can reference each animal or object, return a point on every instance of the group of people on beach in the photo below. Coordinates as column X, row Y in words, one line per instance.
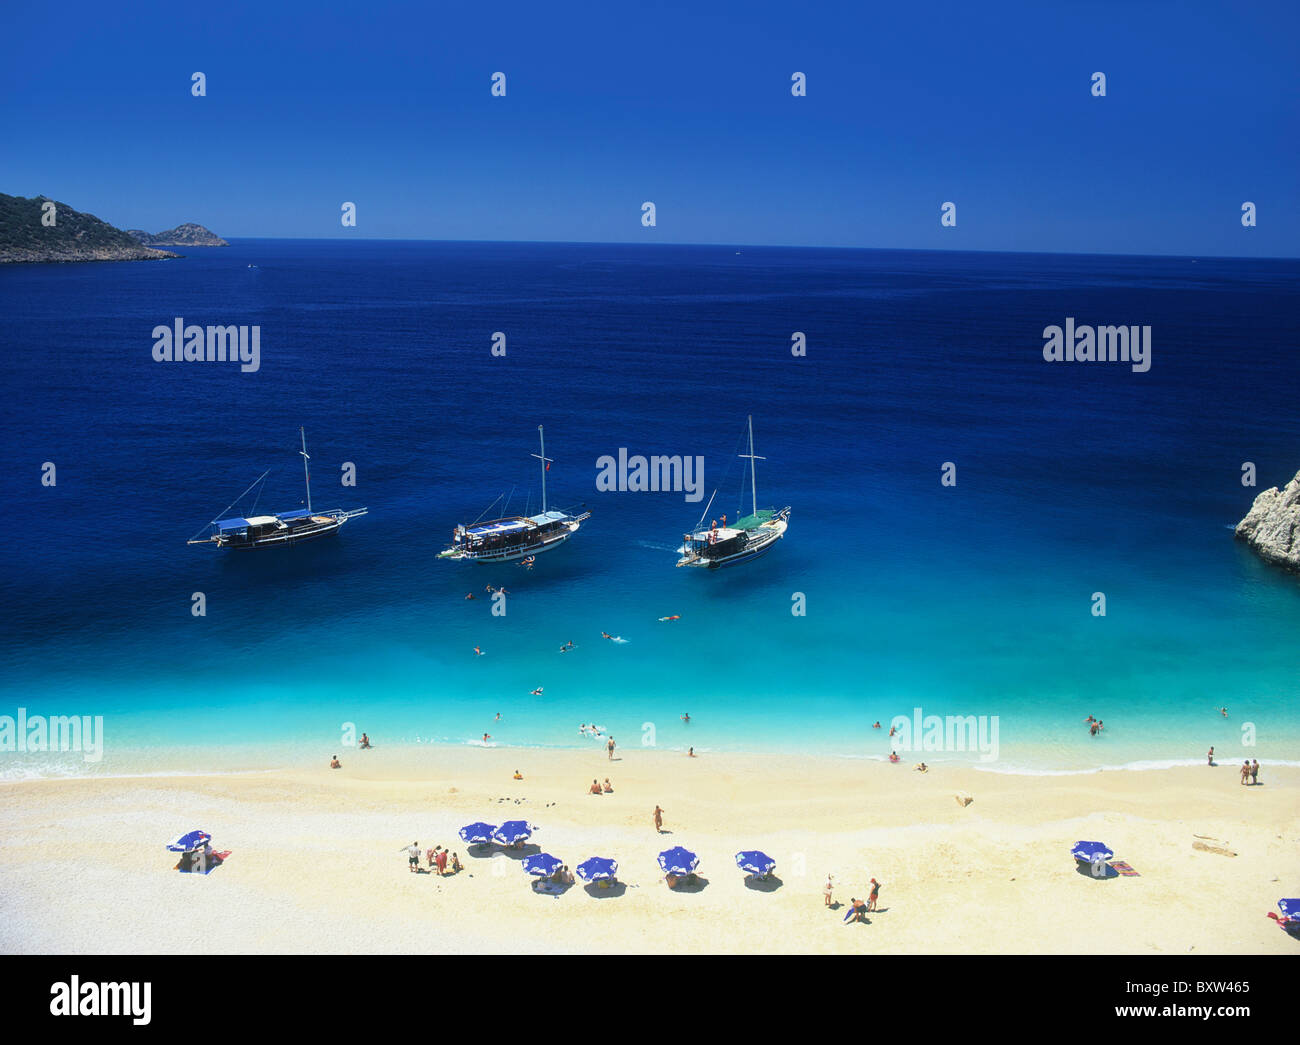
column 440, row 860
column 1250, row 768
column 596, row 789
column 858, row 908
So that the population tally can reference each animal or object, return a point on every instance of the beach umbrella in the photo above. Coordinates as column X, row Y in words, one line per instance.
column 678, row 861
column 597, row 868
column 513, row 831
column 542, row 865
column 189, row 841
column 477, row 833
column 755, row 862
column 1091, row 852
column 1289, row 908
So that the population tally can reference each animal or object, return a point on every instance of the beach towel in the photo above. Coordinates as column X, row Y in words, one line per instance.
column 1125, row 869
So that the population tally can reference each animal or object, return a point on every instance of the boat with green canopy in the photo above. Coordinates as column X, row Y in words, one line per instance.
column 715, row 546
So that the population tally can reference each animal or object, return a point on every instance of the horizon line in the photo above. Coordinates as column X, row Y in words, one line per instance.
column 769, row 246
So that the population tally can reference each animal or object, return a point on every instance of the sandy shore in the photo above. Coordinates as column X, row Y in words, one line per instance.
column 316, row 865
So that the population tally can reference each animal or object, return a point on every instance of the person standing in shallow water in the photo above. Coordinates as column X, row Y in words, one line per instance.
column 1210, row 757
column 610, row 748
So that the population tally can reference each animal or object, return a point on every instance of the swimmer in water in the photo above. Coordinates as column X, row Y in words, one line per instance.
column 686, row 717
column 876, row 725
column 487, row 737
column 675, row 616
column 469, row 595
column 498, row 718
column 537, row 692
column 489, row 589
column 478, row 652
column 606, row 635
column 1223, row 712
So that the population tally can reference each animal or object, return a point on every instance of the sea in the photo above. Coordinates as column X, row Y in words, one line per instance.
column 976, row 533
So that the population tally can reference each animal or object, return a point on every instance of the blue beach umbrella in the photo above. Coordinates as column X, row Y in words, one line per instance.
column 1289, row 908
column 597, row 868
column 678, row 861
column 541, row 865
column 755, row 862
column 513, row 831
column 1091, row 852
column 477, row 833
column 189, row 841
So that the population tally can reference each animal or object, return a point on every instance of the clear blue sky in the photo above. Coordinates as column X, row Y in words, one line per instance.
column 610, row 104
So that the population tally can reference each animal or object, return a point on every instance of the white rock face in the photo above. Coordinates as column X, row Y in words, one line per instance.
column 1272, row 526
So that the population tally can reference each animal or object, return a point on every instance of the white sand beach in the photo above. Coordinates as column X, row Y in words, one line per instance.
column 317, row 866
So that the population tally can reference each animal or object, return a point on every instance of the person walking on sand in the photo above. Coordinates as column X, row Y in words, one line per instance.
column 610, row 748
column 1245, row 771
column 1254, row 771
column 826, row 892
column 659, row 821
column 875, row 895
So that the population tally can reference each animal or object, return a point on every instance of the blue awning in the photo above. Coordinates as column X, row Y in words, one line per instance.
column 496, row 527
column 298, row 514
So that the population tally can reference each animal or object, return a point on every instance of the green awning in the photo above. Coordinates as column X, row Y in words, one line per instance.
column 753, row 522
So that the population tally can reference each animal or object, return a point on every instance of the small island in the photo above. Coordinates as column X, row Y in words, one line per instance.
column 186, row 235
column 1272, row 526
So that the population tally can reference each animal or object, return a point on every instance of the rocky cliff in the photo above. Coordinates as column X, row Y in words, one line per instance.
column 27, row 235
column 186, row 235
column 1272, row 526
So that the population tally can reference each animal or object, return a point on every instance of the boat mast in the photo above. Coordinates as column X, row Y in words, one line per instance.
column 752, row 458
column 545, row 461
column 307, row 472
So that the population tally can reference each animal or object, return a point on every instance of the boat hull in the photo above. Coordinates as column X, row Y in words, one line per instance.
column 281, row 540
column 772, row 532
column 513, row 554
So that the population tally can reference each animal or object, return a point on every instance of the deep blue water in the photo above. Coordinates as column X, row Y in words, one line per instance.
column 975, row 599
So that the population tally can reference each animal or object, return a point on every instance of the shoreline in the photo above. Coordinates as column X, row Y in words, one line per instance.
column 200, row 755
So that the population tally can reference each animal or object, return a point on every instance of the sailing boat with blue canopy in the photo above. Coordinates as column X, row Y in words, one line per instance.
column 516, row 536
column 241, row 533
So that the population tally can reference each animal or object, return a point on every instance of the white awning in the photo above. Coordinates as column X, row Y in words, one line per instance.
column 261, row 520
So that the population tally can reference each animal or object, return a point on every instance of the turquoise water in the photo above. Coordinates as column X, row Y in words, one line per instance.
column 973, row 600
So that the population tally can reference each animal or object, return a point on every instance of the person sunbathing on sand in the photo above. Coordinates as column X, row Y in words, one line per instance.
column 609, row 788
column 456, row 866
column 921, row 767
column 594, row 789
column 335, row 763
column 518, row 775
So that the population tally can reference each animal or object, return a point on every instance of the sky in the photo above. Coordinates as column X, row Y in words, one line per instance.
column 610, row 104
